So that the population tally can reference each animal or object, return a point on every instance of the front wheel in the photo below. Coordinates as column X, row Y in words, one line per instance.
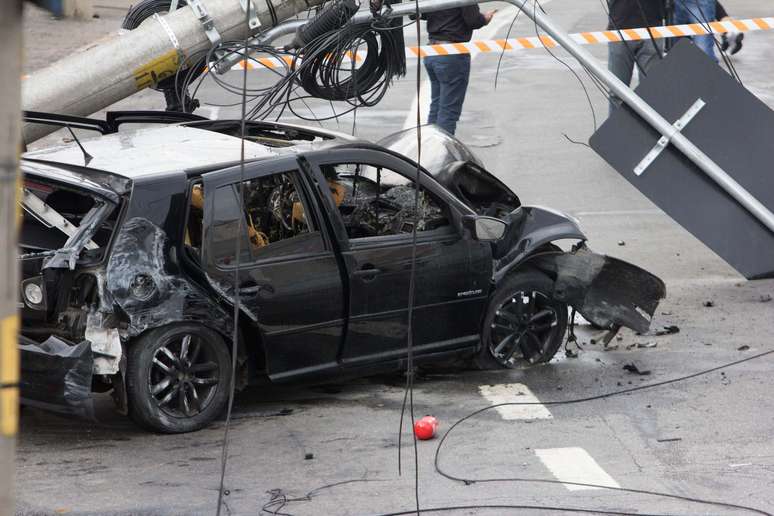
column 523, row 321
column 177, row 378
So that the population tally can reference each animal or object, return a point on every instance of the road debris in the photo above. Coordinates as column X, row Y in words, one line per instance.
column 647, row 344
column 669, row 439
column 743, row 348
column 708, row 304
column 666, row 330
column 621, row 243
column 765, row 298
column 634, row 369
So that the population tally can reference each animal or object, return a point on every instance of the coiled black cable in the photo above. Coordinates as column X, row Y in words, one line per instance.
column 326, row 75
column 144, row 9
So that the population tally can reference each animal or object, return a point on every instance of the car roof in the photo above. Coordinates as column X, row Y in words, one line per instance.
column 148, row 152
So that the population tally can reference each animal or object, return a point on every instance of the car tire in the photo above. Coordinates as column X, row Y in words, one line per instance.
column 177, row 378
column 523, row 321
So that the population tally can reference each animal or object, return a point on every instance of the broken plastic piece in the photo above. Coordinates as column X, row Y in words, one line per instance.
column 633, row 368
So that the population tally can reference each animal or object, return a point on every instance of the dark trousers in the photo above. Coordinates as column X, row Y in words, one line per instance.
column 620, row 61
column 448, row 84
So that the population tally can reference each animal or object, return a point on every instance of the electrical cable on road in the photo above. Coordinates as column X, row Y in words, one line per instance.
column 502, row 52
column 469, row 481
column 237, row 273
column 409, row 391
column 535, row 6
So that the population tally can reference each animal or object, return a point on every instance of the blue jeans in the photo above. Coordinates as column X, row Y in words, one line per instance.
column 448, row 84
column 697, row 11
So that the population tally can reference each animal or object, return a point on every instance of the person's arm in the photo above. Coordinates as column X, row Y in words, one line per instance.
column 472, row 17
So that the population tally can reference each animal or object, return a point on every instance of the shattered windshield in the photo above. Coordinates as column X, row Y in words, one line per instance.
column 439, row 148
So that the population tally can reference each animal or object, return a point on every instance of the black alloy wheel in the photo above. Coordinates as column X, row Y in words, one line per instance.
column 183, row 376
column 177, row 378
column 525, row 325
column 523, row 321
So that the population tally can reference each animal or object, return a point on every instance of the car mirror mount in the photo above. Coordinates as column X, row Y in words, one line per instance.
column 485, row 229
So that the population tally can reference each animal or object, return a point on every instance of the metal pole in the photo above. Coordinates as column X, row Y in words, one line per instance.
column 127, row 62
column 642, row 108
column 650, row 115
column 290, row 27
column 10, row 145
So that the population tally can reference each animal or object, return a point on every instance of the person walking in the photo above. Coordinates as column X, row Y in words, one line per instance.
column 623, row 56
column 731, row 42
column 449, row 74
column 698, row 11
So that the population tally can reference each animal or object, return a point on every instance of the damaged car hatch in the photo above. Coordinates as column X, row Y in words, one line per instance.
column 49, row 217
column 46, row 220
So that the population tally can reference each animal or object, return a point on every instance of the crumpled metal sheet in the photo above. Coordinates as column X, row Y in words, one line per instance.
column 607, row 291
column 56, row 375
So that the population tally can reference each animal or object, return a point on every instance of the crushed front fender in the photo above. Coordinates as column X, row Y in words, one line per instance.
column 56, row 375
column 607, row 291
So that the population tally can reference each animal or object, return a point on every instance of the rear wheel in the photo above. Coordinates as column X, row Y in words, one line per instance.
column 177, row 378
column 523, row 321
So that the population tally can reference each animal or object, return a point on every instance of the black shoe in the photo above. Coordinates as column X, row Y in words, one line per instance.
column 724, row 41
column 736, row 42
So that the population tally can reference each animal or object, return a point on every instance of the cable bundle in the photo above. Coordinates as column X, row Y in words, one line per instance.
column 325, row 73
column 144, row 9
column 325, row 68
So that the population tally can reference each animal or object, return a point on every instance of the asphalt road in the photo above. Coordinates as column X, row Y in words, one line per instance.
column 708, row 437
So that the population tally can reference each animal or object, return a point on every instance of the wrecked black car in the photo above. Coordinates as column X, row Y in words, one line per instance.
column 136, row 244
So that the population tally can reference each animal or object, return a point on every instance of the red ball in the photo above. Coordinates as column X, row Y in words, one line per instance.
column 425, row 428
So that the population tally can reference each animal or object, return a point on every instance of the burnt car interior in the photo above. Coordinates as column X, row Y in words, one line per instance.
column 374, row 201
column 273, row 212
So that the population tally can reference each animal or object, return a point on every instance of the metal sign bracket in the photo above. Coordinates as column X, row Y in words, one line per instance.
column 249, row 7
column 204, row 17
column 663, row 142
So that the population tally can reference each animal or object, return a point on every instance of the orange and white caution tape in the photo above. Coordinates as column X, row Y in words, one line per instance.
column 582, row 38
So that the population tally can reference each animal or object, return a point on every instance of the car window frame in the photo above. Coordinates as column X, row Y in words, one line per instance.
column 398, row 164
column 232, row 176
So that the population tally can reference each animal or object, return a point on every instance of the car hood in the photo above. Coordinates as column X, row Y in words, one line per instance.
column 456, row 167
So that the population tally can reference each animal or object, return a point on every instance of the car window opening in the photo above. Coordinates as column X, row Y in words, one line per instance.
column 374, row 201
column 275, row 220
column 52, row 216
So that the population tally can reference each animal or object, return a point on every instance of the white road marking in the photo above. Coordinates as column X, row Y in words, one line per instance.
column 575, row 465
column 514, row 392
column 500, row 20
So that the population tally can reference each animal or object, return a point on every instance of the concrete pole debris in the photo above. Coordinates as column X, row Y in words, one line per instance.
column 10, row 146
column 128, row 62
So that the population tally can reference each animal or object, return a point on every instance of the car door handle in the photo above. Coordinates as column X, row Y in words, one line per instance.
column 367, row 272
column 252, row 288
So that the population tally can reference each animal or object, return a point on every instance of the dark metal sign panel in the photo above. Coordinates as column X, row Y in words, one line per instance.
column 734, row 128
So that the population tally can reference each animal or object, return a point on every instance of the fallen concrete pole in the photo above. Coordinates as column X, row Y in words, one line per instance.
column 127, row 62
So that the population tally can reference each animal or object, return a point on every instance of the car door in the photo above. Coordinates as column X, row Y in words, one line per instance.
column 452, row 272
column 290, row 284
